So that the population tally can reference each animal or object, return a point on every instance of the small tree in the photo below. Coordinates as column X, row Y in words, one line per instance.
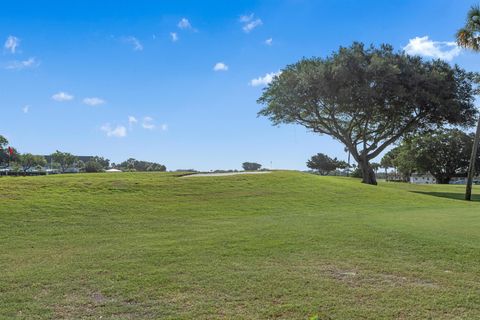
column 324, row 164
column 404, row 161
column 3, row 151
column 28, row 161
column 80, row 165
column 93, row 166
column 251, row 166
column 103, row 162
column 64, row 159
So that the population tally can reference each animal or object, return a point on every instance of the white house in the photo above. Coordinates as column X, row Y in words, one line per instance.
column 422, row 178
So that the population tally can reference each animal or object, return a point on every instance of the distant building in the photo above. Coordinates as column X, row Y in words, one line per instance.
column 422, row 178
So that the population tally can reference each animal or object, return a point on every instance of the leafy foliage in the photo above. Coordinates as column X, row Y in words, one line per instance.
column 137, row 165
column 64, row 159
column 368, row 98
column 442, row 153
column 468, row 36
column 93, row 166
column 28, row 161
column 324, row 164
column 251, row 166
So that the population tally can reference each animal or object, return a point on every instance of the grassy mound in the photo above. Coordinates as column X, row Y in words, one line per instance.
column 284, row 245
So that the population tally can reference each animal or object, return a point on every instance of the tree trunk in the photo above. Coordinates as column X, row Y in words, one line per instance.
column 367, row 173
column 471, row 165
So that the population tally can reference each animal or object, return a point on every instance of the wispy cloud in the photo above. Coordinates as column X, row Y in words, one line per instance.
column 62, row 96
column 269, row 41
column 132, row 120
column 164, row 127
column 265, row 80
column 22, row 64
column 25, row 109
column 220, row 66
column 174, row 36
column 250, row 22
column 147, row 123
column 119, row 131
column 246, row 18
column 134, row 42
column 93, row 101
column 184, row 24
column 12, row 43
column 423, row 46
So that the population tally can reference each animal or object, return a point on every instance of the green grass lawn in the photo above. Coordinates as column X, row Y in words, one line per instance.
column 284, row 245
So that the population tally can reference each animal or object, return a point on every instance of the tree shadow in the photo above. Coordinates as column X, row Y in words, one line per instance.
column 449, row 195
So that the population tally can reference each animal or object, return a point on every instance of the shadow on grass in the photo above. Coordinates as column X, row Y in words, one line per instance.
column 449, row 195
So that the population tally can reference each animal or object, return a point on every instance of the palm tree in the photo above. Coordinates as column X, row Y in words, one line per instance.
column 469, row 37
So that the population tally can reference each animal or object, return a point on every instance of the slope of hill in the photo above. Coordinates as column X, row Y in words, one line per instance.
column 285, row 245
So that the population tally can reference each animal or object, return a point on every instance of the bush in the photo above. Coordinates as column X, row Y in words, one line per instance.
column 93, row 166
column 357, row 173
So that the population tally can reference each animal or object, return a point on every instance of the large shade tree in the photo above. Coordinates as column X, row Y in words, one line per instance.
column 469, row 37
column 369, row 97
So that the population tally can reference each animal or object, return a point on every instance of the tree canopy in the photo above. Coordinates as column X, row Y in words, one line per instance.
column 369, row 97
column 251, row 166
column 28, row 161
column 468, row 36
column 138, row 165
column 64, row 159
column 324, row 164
column 443, row 153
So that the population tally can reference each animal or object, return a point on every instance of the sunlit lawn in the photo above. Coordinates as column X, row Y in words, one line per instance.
column 283, row 245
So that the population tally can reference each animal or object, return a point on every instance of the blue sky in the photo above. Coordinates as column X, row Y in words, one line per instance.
column 171, row 81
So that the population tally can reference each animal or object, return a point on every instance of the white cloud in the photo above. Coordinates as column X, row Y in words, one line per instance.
column 246, row 18
column 136, row 44
column 148, row 123
column 22, row 64
column 62, row 96
column 25, row 109
column 12, row 43
column 446, row 50
column 118, row 131
column 174, row 36
column 269, row 41
column 249, row 22
column 220, row 66
column 93, row 101
column 265, row 80
column 132, row 120
column 184, row 24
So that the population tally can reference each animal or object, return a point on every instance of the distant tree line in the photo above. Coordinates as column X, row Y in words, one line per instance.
column 63, row 162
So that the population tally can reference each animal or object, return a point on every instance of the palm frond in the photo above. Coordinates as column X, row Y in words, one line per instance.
column 473, row 18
